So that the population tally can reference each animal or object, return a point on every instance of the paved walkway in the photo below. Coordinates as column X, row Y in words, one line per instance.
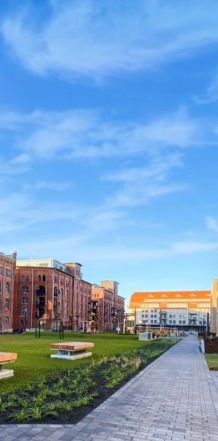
column 175, row 398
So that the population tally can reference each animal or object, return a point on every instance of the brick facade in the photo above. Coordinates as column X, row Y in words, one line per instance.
column 54, row 293
column 51, row 293
column 108, row 306
column 7, row 268
column 44, row 293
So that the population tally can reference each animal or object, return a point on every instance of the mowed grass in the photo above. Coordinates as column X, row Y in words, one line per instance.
column 34, row 360
column 212, row 361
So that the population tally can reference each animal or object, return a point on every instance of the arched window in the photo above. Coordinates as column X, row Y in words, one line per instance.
column 39, row 278
column 43, row 278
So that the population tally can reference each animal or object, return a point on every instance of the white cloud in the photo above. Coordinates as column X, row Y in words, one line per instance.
column 102, row 38
column 89, row 253
column 211, row 94
column 82, row 134
column 86, row 134
column 212, row 223
column 48, row 185
column 141, row 184
column 16, row 165
column 192, row 247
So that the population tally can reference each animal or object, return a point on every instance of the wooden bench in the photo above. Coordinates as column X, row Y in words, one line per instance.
column 71, row 350
column 6, row 357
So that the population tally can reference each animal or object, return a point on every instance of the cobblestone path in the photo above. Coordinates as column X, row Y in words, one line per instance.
column 174, row 398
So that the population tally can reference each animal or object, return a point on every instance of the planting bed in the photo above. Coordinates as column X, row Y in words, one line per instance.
column 67, row 396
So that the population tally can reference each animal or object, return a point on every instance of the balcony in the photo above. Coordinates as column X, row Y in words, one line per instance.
column 40, row 291
column 40, row 303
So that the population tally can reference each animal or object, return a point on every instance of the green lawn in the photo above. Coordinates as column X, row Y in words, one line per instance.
column 212, row 361
column 33, row 354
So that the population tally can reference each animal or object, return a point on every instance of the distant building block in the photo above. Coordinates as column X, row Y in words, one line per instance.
column 6, row 357
column 71, row 350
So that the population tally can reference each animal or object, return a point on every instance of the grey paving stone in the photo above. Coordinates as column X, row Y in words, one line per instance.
column 173, row 399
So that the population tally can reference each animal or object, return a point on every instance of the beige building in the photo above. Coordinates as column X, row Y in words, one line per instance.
column 214, row 308
column 186, row 309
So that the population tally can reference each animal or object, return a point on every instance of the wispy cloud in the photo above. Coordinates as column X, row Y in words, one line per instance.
column 18, row 164
column 102, row 38
column 211, row 93
column 97, row 253
column 82, row 134
column 48, row 185
column 141, row 184
column 212, row 223
column 86, row 134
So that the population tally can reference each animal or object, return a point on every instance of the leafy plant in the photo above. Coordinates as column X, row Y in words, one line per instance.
column 20, row 416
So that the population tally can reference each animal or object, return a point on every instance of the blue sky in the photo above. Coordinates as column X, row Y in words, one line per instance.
column 109, row 138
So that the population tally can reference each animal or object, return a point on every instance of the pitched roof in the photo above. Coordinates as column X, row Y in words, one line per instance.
column 138, row 298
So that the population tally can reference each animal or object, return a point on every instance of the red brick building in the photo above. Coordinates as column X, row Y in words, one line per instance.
column 81, row 300
column 7, row 268
column 47, row 289
column 54, row 293
column 107, row 307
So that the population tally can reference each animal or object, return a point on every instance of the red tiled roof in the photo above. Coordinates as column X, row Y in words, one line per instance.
column 138, row 298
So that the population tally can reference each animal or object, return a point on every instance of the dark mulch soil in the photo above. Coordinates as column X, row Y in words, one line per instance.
column 101, row 386
column 76, row 415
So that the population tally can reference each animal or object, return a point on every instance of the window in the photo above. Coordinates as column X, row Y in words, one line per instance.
column 8, row 272
column 25, row 289
column 7, row 303
column 24, row 300
column 7, row 287
column 43, row 278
